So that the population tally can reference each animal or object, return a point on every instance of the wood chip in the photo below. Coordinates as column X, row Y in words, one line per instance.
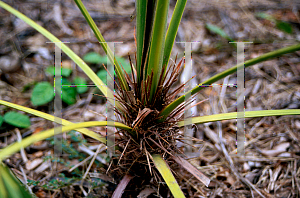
column 276, row 150
column 194, row 171
column 33, row 164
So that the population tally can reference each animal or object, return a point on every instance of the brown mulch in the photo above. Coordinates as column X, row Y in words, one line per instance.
column 271, row 164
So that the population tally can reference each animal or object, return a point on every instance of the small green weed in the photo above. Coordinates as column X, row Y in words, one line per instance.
column 15, row 119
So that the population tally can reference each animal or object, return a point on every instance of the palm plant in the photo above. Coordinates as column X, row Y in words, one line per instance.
column 149, row 114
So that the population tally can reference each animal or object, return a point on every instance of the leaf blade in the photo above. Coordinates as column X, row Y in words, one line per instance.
column 168, row 109
column 103, row 43
column 166, row 173
column 10, row 186
column 141, row 13
column 173, row 29
column 248, row 114
column 46, row 116
column 157, row 43
column 15, row 147
column 89, row 72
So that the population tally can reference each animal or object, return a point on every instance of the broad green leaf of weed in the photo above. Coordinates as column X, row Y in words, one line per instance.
column 102, row 75
column 68, row 92
column 215, row 29
column 1, row 120
column 65, row 72
column 17, row 119
column 28, row 86
column 125, row 64
column 43, row 92
column 94, row 58
column 285, row 27
column 81, row 85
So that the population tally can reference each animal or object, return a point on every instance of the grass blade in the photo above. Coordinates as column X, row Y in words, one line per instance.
column 105, row 47
column 172, row 30
column 227, row 72
column 15, row 147
column 248, row 114
column 166, row 173
column 10, row 186
column 141, row 13
column 157, row 43
column 46, row 116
